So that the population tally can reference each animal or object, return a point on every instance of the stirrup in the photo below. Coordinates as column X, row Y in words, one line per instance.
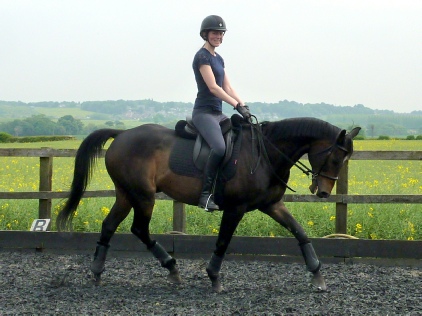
column 205, row 207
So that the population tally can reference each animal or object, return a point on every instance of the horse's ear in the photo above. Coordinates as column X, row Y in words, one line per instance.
column 354, row 132
column 340, row 137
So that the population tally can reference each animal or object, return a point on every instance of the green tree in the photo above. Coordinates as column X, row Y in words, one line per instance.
column 89, row 128
column 71, row 125
column 41, row 125
column 5, row 137
column 158, row 118
column 119, row 124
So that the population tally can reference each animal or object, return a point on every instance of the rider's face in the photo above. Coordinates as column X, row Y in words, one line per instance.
column 215, row 37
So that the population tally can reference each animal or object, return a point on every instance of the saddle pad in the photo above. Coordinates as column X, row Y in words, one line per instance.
column 181, row 158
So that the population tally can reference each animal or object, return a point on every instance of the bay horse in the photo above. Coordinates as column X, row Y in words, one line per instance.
column 138, row 163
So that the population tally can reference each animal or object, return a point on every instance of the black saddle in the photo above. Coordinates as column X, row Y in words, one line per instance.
column 186, row 129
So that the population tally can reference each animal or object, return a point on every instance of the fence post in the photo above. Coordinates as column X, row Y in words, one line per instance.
column 341, row 208
column 46, row 175
column 179, row 217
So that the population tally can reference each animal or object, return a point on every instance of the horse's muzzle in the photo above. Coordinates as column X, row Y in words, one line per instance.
column 313, row 187
column 323, row 194
column 316, row 189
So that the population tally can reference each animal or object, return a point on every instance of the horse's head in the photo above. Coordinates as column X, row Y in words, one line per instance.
column 327, row 159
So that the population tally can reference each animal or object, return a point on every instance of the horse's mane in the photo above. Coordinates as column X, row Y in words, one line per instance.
column 304, row 127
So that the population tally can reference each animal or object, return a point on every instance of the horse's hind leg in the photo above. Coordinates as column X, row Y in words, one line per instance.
column 281, row 214
column 142, row 216
column 118, row 213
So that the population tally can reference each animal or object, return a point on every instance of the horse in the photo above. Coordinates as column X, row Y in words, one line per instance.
column 137, row 161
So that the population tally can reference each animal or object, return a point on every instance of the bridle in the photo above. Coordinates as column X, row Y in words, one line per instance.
column 257, row 129
column 330, row 151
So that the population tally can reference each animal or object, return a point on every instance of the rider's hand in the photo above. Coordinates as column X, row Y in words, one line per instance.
column 244, row 111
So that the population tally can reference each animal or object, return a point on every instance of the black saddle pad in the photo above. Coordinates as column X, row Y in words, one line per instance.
column 181, row 159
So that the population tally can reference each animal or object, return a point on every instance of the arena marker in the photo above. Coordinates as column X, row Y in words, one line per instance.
column 40, row 225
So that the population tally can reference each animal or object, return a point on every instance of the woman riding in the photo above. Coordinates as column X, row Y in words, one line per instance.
column 213, row 88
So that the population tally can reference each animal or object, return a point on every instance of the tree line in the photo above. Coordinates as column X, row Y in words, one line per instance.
column 41, row 125
column 373, row 122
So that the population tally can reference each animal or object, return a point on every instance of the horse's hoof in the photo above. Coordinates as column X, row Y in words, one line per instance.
column 216, row 286
column 174, row 277
column 97, row 279
column 319, row 282
column 97, row 268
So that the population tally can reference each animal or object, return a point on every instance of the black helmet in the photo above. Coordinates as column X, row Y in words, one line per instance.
column 212, row 22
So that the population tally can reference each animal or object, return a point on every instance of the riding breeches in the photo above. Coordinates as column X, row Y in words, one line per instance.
column 208, row 125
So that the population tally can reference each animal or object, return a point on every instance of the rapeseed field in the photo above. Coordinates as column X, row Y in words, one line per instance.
column 367, row 221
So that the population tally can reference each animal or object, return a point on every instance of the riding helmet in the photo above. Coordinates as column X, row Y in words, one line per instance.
column 212, row 22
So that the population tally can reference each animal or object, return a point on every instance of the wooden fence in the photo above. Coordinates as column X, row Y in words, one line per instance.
column 341, row 197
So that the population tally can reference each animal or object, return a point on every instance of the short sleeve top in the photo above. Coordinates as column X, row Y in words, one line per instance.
column 204, row 98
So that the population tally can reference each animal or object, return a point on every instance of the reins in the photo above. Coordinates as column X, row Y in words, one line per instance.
column 256, row 134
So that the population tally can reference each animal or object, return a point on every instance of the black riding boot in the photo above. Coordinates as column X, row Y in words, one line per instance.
column 206, row 199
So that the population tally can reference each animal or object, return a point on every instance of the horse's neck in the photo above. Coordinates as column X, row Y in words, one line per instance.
column 286, row 153
column 298, row 150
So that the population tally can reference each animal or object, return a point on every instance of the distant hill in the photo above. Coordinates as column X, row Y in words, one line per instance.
column 373, row 122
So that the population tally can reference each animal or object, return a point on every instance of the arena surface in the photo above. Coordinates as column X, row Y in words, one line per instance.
column 53, row 284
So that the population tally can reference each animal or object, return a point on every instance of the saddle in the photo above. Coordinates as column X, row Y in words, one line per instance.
column 201, row 150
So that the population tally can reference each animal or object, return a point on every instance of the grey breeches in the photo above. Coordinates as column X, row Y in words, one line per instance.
column 208, row 125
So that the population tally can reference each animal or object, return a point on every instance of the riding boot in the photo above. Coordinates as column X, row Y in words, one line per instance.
column 206, row 199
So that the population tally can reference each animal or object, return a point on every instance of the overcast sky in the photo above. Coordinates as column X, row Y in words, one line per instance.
column 339, row 52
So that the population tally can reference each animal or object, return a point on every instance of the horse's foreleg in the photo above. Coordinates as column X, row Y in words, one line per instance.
column 281, row 214
column 140, row 228
column 166, row 261
column 117, row 214
column 228, row 225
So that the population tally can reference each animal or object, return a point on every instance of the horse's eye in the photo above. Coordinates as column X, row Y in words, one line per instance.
column 336, row 162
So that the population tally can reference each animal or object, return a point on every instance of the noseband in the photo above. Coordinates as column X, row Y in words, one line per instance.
column 330, row 151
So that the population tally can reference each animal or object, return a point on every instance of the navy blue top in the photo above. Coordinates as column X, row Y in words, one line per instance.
column 204, row 98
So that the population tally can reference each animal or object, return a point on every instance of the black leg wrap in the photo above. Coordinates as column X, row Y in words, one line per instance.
column 311, row 259
column 162, row 255
column 97, row 266
column 214, row 266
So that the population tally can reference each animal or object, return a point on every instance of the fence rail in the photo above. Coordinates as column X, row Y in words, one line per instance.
column 341, row 198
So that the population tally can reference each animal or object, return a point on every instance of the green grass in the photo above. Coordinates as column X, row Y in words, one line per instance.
column 65, row 144
column 11, row 111
column 387, row 145
column 369, row 221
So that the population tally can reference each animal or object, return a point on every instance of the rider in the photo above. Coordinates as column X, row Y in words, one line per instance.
column 213, row 88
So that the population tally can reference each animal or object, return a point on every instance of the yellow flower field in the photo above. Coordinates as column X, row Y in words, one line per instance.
column 378, row 221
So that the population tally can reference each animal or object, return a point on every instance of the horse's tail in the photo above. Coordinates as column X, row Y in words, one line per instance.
column 85, row 160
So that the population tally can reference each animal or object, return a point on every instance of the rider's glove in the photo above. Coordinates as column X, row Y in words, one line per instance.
column 244, row 111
